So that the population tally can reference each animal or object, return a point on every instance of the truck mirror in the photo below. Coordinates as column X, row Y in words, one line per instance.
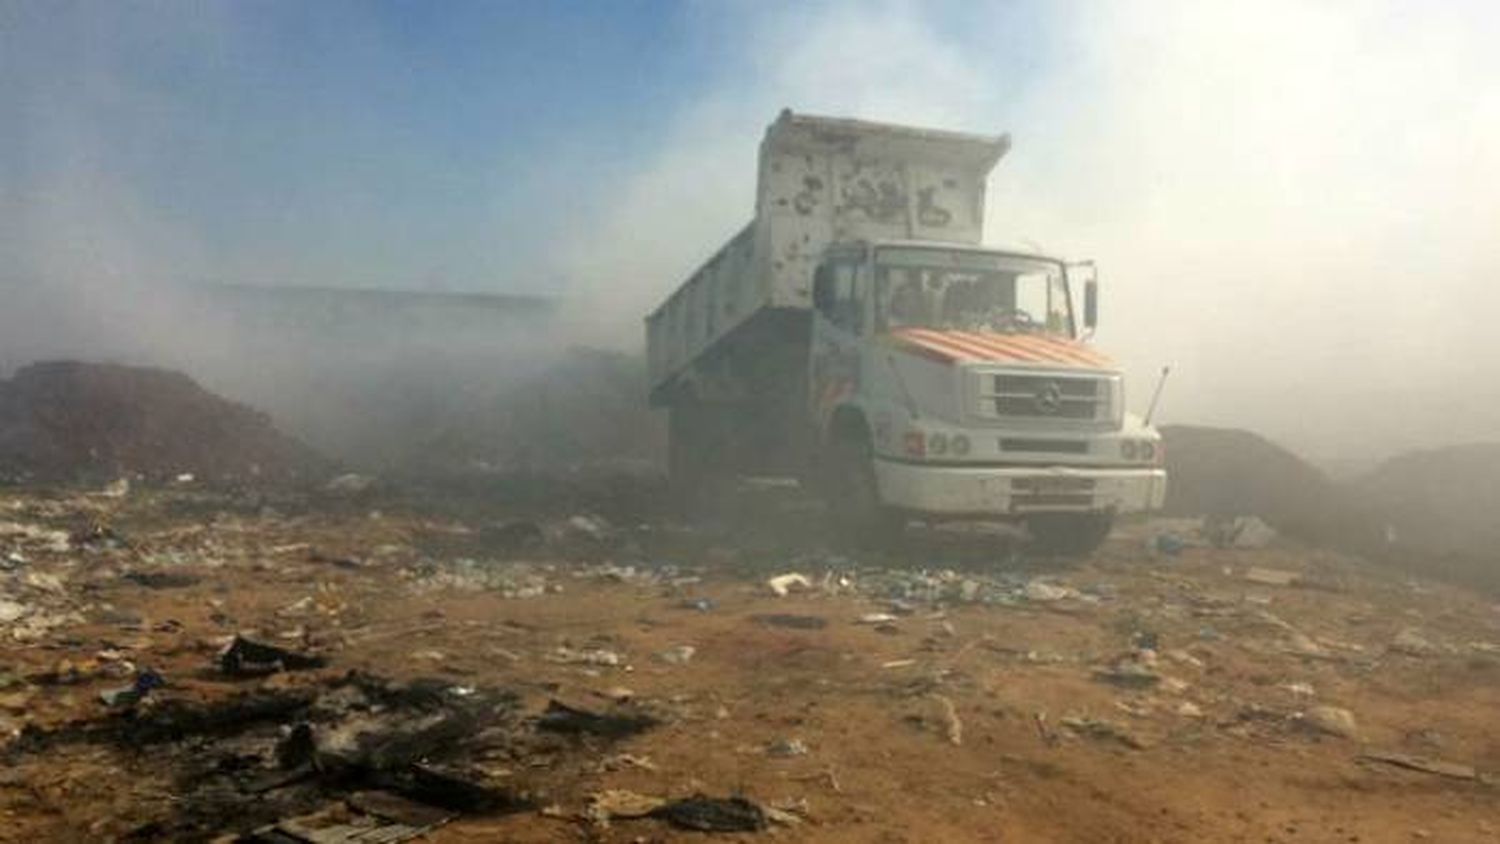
column 1091, row 303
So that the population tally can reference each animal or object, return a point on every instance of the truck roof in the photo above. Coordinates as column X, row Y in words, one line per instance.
column 1018, row 250
column 979, row 153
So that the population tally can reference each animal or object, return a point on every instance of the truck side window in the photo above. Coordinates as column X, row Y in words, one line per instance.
column 848, row 307
column 823, row 290
column 839, row 295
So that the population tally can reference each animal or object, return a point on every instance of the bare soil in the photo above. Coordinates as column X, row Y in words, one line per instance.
column 964, row 719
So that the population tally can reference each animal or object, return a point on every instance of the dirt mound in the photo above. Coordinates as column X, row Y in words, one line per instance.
column 1226, row 471
column 1442, row 501
column 69, row 421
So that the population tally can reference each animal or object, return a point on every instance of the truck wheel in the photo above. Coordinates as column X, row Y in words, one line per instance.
column 1068, row 534
column 854, row 497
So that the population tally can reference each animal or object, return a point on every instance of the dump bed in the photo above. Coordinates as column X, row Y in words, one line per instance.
column 822, row 180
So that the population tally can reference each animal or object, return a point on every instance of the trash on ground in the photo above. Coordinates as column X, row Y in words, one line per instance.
column 561, row 718
column 1100, row 728
column 246, row 658
column 1331, row 720
column 1411, row 642
column 783, row 584
column 677, row 655
column 786, row 748
column 1271, row 577
column 619, row 804
column 587, row 656
column 145, row 682
column 1128, row 674
column 1421, row 763
column 161, row 579
column 351, row 483
column 713, row 814
column 953, row 728
column 1043, row 592
column 790, row 621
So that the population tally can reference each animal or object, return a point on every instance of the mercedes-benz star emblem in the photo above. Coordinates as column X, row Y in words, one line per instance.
column 1049, row 397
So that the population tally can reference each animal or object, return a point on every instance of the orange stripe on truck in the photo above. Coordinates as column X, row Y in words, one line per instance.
column 972, row 346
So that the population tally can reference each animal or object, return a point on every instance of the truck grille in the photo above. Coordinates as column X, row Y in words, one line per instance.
column 1045, row 397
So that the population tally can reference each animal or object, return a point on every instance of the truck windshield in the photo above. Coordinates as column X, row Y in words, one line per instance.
column 970, row 291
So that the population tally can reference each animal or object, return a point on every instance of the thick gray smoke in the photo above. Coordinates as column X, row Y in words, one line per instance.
column 1293, row 204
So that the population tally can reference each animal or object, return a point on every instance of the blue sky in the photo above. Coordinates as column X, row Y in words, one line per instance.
column 375, row 143
column 361, row 143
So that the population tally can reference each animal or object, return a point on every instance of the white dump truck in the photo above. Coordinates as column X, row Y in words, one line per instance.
column 858, row 336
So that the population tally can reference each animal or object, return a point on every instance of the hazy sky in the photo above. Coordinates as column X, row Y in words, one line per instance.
column 1295, row 204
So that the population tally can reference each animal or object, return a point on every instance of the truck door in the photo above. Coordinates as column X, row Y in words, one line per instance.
column 839, row 315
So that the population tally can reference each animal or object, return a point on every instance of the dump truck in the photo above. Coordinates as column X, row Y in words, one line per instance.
column 859, row 336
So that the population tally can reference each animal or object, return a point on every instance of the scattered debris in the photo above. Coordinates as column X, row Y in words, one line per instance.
column 1331, row 720
column 246, row 658
column 786, row 748
column 561, row 718
column 1271, row 577
column 592, row 528
column 161, row 579
column 713, row 814
column 790, row 621
column 953, row 728
column 1043, row 592
column 677, row 655
column 1168, row 544
column 1420, row 763
column 619, row 804
column 588, row 656
column 349, row 484
column 1128, row 674
column 1245, row 532
column 145, row 682
column 782, row 584
column 1411, row 642
column 1100, row 728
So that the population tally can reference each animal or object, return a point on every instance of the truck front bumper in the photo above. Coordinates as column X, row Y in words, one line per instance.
column 979, row 491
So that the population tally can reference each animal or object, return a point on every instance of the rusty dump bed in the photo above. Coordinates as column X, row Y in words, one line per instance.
column 822, row 181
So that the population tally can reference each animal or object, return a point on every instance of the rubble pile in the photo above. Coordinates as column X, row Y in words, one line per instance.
column 64, row 421
column 1226, row 472
column 1443, row 500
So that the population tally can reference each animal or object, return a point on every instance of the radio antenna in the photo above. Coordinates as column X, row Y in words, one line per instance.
column 1156, row 396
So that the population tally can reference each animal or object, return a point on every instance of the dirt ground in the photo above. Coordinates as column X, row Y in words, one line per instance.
column 953, row 689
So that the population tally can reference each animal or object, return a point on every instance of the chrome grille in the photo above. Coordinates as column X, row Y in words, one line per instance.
column 1045, row 396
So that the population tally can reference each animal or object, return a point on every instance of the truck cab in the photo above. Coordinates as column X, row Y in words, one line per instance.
column 952, row 382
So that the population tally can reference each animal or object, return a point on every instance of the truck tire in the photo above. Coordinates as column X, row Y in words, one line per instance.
column 854, row 502
column 1068, row 534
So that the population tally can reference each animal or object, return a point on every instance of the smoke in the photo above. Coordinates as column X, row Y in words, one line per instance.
column 1292, row 203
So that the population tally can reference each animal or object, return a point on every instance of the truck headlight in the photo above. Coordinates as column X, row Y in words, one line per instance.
column 937, row 444
column 1148, row 451
column 959, row 445
column 1128, row 449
